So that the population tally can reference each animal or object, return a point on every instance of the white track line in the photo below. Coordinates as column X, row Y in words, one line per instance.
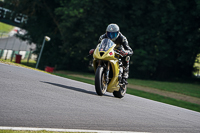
column 63, row 130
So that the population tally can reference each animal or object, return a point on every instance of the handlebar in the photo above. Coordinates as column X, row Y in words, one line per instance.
column 118, row 53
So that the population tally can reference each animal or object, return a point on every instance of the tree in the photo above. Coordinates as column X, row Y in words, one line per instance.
column 163, row 34
column 41, row 22
column 168, row 36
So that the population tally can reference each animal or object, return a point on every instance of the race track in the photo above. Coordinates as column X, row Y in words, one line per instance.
column 29, row 98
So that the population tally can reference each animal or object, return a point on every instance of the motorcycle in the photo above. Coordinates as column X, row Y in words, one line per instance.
column 108, row 69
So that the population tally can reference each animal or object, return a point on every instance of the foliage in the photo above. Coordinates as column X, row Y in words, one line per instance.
column 41, row 22
column 163, row 34
column 167, row 38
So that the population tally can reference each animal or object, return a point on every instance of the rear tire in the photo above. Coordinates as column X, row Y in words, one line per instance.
column 121, row 92
column 100, row 83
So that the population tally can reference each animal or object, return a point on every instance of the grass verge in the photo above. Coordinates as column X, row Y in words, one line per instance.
column 30, row 65
column 159, row 98
column 190, row 89
column 5, row 28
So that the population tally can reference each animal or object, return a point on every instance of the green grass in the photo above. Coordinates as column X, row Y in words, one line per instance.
column 191, row 89
column 24, row 63
column 5, row 28
column 164, row 99
column 31, row 63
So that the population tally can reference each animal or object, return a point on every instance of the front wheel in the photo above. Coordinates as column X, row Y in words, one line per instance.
column 100, row 81
column 121, row 92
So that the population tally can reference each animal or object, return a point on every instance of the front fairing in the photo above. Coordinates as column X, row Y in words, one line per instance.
column 105, row 50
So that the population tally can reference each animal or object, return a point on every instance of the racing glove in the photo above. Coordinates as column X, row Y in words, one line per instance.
column 123, row 53
column 91, row 51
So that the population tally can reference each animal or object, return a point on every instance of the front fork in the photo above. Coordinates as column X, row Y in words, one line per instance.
column 106, row 70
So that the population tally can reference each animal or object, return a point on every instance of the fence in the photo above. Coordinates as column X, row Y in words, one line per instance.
column 11, row 45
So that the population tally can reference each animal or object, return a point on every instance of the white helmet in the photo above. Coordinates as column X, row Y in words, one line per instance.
column 112, row 31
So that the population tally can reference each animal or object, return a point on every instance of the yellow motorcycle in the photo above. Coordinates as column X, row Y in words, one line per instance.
column 108, row 69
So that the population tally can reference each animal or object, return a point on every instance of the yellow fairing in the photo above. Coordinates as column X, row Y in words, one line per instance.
column 106, row 55
column 113, row 84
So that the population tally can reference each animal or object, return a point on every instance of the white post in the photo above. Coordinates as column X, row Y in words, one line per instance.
column 47, row 39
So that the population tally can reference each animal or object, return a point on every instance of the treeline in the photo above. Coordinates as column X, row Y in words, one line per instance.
column 164, row 34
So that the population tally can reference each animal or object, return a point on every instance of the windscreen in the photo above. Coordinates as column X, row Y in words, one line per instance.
column 106, row 44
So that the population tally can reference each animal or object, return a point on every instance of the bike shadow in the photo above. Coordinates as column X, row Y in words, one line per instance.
column 73, row 88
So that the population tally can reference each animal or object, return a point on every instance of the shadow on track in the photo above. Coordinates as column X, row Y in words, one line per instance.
column 72, row 88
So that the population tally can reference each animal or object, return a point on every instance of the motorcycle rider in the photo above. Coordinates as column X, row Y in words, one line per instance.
column 122, row 47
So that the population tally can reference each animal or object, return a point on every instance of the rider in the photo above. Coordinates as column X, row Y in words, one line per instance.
column 113, row 33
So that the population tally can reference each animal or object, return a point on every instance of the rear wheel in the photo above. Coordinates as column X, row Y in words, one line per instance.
column 121, row 92
column 100, row 81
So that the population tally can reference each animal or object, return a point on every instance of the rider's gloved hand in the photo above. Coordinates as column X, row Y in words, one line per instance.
column 123, row 53
column 91, row 51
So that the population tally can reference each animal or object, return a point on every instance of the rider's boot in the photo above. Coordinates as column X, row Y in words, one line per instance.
column 125, row 81
column 125, row 75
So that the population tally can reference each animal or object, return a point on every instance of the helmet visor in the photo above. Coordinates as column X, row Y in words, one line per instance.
column 112, row 35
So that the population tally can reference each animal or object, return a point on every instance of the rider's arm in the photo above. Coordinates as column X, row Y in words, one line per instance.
column 126, row 46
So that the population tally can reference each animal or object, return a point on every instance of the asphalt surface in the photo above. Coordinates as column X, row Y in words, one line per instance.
column 29, row 98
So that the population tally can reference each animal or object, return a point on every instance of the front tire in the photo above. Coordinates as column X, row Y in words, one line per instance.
column 100, row 81
column 121, row 92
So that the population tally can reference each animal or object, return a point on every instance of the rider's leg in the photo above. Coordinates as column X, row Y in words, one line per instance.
column 126, row 71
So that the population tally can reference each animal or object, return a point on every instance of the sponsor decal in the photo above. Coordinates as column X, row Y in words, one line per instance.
column 17, row 18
